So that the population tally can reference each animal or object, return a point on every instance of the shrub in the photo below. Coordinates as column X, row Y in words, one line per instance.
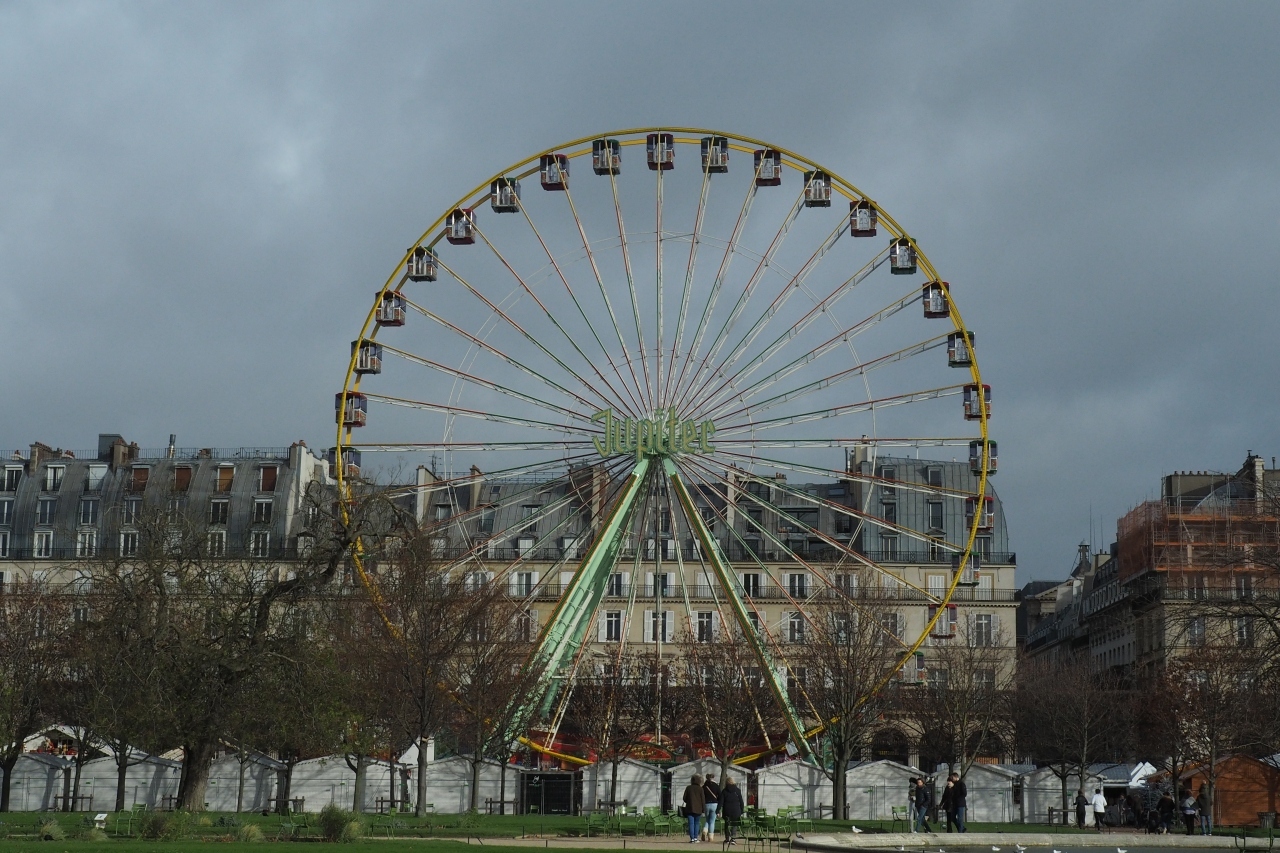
column 93, row 835
column 333, row 821
column 161, row 826
column 51, row 830
column 249, row 833
column 353, row 831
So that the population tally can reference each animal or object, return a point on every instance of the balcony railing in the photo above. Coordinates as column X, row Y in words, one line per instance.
column 768, row 593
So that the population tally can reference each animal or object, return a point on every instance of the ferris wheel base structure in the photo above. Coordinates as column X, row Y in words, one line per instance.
column 628, row 383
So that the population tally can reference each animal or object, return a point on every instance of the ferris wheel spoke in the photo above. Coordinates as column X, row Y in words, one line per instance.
column 482, row 344
column 476, row 475
column 825, row 382
column 792, row 286
column 550, row 316
column 625, row 351
column 486, row 383
column 658, row 264
column 728, row 390
column 477, row 414
column 847, row 409
column 686, row 292
column 528, row 337
column 825, row 306
column 582, row 312
column 631, row 287
column 717, row 284
column 839, row 474
column 740, row 443
column 740, row 303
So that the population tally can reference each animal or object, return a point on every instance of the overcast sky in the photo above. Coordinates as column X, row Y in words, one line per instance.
column 198, row 201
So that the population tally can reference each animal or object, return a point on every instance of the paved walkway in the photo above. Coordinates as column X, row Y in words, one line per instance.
column 1009, row 842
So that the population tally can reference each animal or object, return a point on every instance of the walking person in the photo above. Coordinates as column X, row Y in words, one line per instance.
column 1189, row 812
column 1166, row 808
column 960, row 801
column 711, row 794
column 694, row 804
column 923, row 800
column 1082, row 803
column 732, row 808
column 1099, row 803
column 946, row 803
column 1203, row 806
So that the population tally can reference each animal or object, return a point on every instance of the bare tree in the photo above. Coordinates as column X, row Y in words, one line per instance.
column 851, row 648
column 964, row 704
column 35, row 627
column 605, row 714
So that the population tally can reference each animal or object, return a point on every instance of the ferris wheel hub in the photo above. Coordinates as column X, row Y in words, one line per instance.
column 662, row 435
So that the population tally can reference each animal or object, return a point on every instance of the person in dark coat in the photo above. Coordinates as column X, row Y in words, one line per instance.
column 947, row 803
column 922, row 798
column 1082, row 803
column 732, row 807
column 959, row 801
column 711, row 794
column 1166, row 809
column 694, row 805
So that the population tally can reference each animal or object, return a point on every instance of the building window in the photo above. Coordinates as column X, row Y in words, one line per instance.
column 890, row 628
column 613, row 626
column 751, row 584
column 798, row 585
column 524, row 583
column 759, row 490
column 659, row 626
column 528, row 522
column 933, row 476
column 662, row 584
column 218, row 511
column 46, row 510
column 842, row 628
column 1244, row 631
column 705, row 626
column 847, row 583
column 1244, row 587
column 937, row 554
column 267, row 478
column 262, row 512
column 87, row 543
column 888, row 547
column 129, row 544
column 527, row 626
column 441, row 513
column 937, row 678
column 260, row 543
column 935, row 515
column 888, row 490
column 982, row 547
column 94, row 478
column 132, row 510
column 1196, row 631
column 53, row 477
column 177, row 508
column 44, row 544
column 12, row 476
column 226, row 475
column 753, row 621
column 984, row 680
column 89, row 511
column 217, row 543
column 182, row 478
column 616, row 585
column 889, row 512
column 6, row 511
column 708, row 517
column 4, row 551
column 486, row 520
column 138, row 477
column 795, row 627
column 983, row 630
column 796, row 677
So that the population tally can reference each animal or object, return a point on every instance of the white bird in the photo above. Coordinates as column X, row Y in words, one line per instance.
column 1057, row 851
column 1020, row 848
column 1121, row 850
column 995, row 849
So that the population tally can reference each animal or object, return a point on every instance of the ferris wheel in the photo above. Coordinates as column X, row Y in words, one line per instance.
column 659, row 365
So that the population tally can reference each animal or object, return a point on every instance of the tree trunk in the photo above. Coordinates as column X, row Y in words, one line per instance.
column 75, row 782
column 839, row 794
column 122, row 768
column 197, row 760
column 475, row 782
column 242, row 759
column 7, row 767
column 418, row 807
column 613, row 782
column 357, row 804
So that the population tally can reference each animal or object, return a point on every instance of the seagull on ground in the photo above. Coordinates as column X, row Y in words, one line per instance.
column 1121, row 850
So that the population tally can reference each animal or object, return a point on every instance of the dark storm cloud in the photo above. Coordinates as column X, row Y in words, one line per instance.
column 199, row 200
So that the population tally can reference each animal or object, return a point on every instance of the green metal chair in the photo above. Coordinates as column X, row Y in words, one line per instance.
column 899, row 816
column 655, row 820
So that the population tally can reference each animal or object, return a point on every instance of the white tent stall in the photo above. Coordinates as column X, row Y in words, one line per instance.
column 38, row 779
column 639, row 784
column 148, row 782
column 321, row 781
column 794, row 783
column 988, row 793
column 682, row 773
column 260, row 774
column 1042, row 791
column 873, row 788
column 449, row 783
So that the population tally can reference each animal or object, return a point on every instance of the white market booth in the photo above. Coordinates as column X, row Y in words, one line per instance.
column 640, row 784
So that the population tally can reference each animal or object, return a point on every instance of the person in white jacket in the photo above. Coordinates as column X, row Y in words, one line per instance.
column 1099, row 804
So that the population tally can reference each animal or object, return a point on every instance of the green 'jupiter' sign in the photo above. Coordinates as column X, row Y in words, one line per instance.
column 665, row 434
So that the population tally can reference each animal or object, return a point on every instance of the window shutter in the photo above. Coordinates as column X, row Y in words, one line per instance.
column 648, row 626
column 602, row 626
column 668, row 626
column 566, row 578
column 715, row 626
